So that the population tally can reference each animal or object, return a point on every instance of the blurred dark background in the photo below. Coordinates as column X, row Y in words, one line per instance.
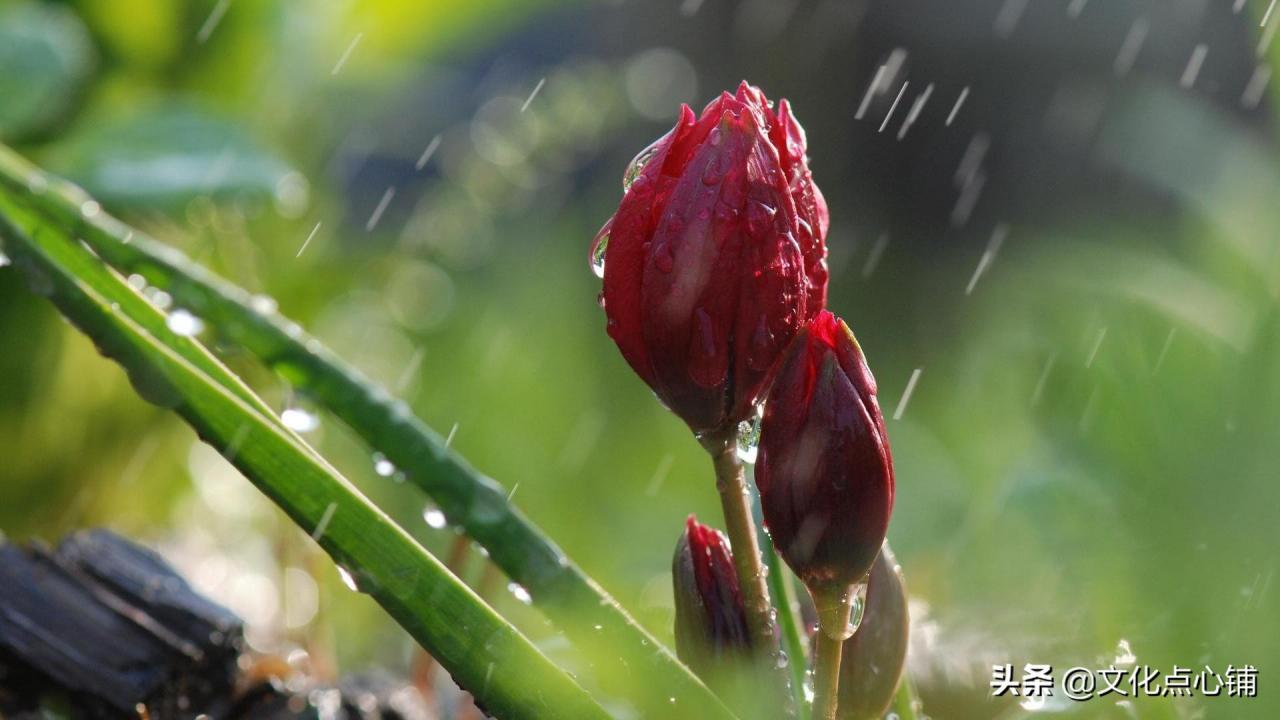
column 1060, row 214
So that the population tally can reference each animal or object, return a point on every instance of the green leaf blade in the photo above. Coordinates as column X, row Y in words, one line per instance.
column 484, row 653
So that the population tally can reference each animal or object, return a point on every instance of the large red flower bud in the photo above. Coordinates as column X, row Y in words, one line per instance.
column 716, row 257
column 711, row 623
column 824, row 469
column 873, row 659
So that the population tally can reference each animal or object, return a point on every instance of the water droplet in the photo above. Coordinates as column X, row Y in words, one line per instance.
column 781, row 661
column 434, row 517
column 184, row 323
column 382, row 465
column 90, row 208
column 762, row 351
column 859, row 605
column 1124, row 653
column 749, row 438
column 708, row 357
column 598, row 247
column 714, row 172
column 760, row 218
column 637, row 164
column 664, row 259
column 137, row 282
column 520, row 593
column 347, row 578
column 299, row 420
column 263, row 304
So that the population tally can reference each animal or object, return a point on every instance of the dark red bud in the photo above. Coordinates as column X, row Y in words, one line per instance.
column 716, row 257
column 711, row 622
column 824, row 470
column 873, row 659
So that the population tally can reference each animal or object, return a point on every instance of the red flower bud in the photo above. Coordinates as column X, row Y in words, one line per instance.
column 716, row 257
column 711, row 622
column 824, row 469
column 873, row 659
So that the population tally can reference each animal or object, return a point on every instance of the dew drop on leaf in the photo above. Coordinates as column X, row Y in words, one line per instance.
column 434, row 518
column 382, row 465
column 347, row 578
column 299, row 420
column 263, row 304
column 520, row 593
column 184, row 323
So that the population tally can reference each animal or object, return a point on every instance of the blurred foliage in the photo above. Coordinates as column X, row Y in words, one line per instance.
column 1088, row 456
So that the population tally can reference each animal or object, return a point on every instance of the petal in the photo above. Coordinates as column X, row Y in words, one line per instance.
column 691, row 278
column 632, row 226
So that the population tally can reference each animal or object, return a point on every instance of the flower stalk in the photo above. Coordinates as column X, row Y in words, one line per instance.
column 834, row 606
column 740, row 526
column 735, row 500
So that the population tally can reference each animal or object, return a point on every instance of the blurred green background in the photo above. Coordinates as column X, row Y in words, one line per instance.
column 1065, row 220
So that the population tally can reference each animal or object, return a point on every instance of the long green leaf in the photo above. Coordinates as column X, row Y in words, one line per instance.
column 629, row 661
column 484, row 653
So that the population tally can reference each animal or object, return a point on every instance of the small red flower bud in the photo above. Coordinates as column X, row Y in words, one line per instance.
column 716, row 257
column 824, row 470
column 873, row 659
column 711, row 623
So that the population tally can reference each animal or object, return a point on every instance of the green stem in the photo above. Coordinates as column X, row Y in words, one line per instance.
column 782, row 588
column 826, row 675
column 632, row 661
column 834, row 606
column 904, row 702
column 735, row 500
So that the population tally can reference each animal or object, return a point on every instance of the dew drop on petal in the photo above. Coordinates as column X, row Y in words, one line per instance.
column 761, row 351
column 636, row 167
column 708, row 353
column 598, row 247
column 664, row 260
